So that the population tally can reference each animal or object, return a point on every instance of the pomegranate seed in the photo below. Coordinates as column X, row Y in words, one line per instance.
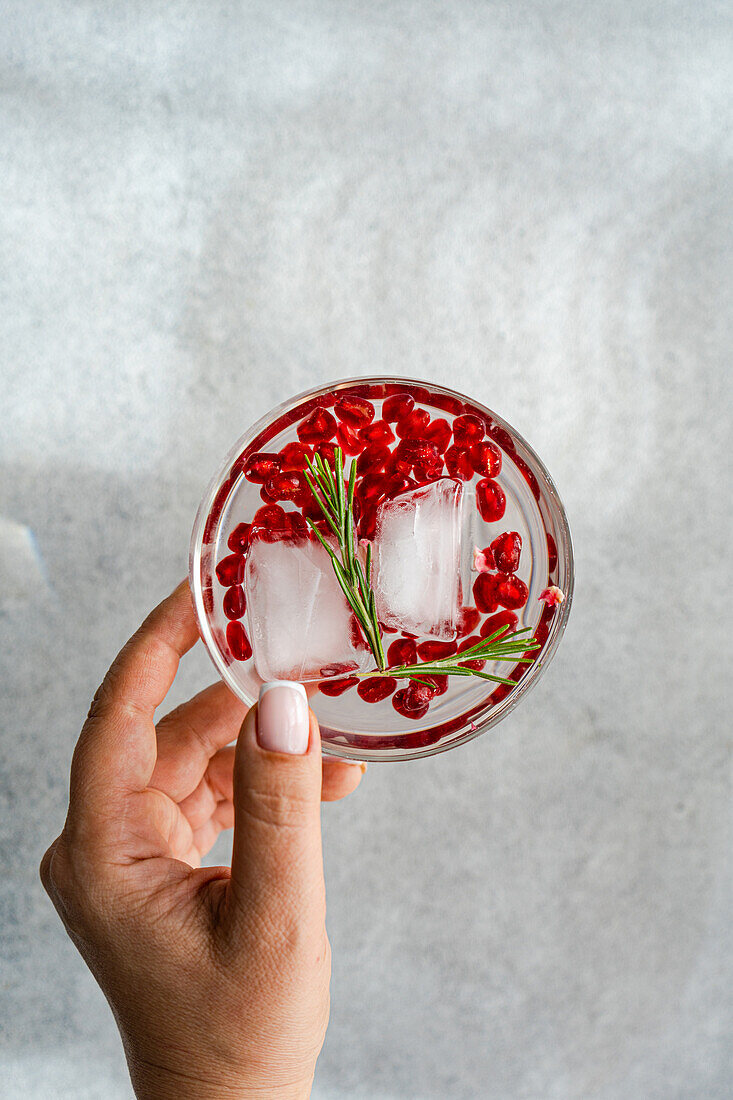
column 483, row 560
column 348, row 440
column 367, row 524
column 439, row 433
column 238, row 541
column 337, row 687
column 271, row 517
column 551, row 553
column 355, row 633
column 376, row 688
column 485, row 458
column 402, row 651
column 495, row 622
column 397, row 407
column 467, row 429
column 311, row 508
column 466, row 644
column 298, row 526
column 261, row 466
column 510, row 591
column 372, row 488
column 433, row 651
column 490, row 500
column 484, row 592
column 468, row 620
column 327, row 451
column 439, row 684
column 356, row 411
column 413, row 425
column 528, row 476
column 234, row 603
column 374, row 459
column 502, row 438
column 319, row 427
column 458, row 462
column 293, row 456
column 378, row 432
column 399, row 483
column 506, row 550
column 230, row 570
column 238, row 642
column 500, row 693
column 411, row 705
column 286, row 486
column 266, row 495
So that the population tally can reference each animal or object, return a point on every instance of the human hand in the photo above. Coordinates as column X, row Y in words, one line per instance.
column 218, row 977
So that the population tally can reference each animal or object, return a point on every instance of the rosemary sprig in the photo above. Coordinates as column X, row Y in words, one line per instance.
column 337, row 504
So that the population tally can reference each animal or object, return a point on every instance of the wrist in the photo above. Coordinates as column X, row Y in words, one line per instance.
column 153, row 1082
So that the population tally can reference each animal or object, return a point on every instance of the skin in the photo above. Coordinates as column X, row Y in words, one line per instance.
column 217, row 977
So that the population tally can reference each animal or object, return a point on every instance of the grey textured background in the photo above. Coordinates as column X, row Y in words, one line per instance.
column 207, row 207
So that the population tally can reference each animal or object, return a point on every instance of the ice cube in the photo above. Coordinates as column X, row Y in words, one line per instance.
column 298, row 617
column 417, row 559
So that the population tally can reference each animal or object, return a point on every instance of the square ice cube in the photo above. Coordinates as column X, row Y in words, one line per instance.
column 417, row 559
column 298, row 617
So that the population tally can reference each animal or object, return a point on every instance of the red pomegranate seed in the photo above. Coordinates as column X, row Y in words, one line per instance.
column 293, row 456
column 510, row 591
column 484, row 592
column 413, row 425
column 467, row 429
column 238, row 642
column 434, row 651
column 348, row 440
column 551, row 553
column 338, row 668
column 458, row 463
column 528, row 476
column 490, row 500
column 367, row 525
column 500, row 693
column 296, row 523
column 234, row 603
column 230, row 570
column 266, row 495
column 411, row 705
column 327, row 451
column 355, row 633
column 439, row 433
column 467, row 643
column 376, row 688
column 271, row 517
column 397, row 407
column 507, row 549
column 486, row 458
column 495, row 622
column 502, row 438
column 356, row 411
column 319, row 427
column 261, row 466
column 287, row 486
column 238, row 541
column 439, row 684
column 372, row 488
column 337, row 687
column 399, row 483
column 373, row 459
column 402, row 651
column 378, row 432
column 468, row 620
column 310, row 507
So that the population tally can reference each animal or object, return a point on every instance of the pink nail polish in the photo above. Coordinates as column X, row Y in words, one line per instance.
column 282, row 717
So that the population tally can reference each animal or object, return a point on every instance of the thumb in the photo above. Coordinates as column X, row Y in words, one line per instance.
column 277, row 865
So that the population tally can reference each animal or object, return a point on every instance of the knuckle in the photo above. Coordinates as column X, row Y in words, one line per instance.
column 276, row 808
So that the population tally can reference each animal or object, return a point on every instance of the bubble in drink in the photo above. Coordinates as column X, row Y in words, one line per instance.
column 417, row 560
column 299, row 620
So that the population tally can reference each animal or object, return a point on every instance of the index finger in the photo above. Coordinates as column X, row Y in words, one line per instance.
column 116, row 750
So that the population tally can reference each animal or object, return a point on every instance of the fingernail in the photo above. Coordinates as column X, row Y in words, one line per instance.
column 282, row 717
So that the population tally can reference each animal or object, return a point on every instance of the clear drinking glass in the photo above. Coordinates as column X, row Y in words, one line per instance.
column 350, row 726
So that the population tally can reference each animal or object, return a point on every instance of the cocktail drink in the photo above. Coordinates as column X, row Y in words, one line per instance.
column 362, row 539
